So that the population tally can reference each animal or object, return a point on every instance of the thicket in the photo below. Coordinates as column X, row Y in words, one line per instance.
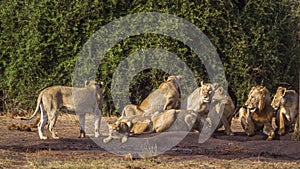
column 40, row 41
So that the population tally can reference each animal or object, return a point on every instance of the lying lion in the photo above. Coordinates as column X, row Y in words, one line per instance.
column 168, row 120
column 54, row 99
column 166, row 97
column 258, row 113
column 287, row 101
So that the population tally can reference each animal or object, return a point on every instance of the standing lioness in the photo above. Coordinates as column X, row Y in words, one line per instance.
column 71, row 100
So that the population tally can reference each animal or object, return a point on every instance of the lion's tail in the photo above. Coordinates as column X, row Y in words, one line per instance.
column 39, row 101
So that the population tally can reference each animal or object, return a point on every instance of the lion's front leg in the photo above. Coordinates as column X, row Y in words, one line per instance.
column 296, row 128
column 246, row 121
column 82, row 125
column 269, row 131
column 97, row 121
column 168, row 104
column 171, row 103
column 281, row 130
column 107, row 139
column 251, row 126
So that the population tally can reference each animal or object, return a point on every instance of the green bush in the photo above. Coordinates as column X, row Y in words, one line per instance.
column 41, row 39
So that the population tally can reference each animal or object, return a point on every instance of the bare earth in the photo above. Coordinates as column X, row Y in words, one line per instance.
column 22, row 148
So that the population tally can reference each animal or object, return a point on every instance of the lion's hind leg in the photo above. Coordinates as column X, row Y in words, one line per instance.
column 42, row 123
column 141, row 127
column 97, row 122
column 282, row 124
column 164, row 120
column 53, row 118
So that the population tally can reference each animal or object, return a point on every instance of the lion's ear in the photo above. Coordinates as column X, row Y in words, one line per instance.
column 129, row 124
column 220, row 89
column 252, row 88
column 215, row 85
column 263, row 89
column 165, row 77
column 283, row 90
column 86, row 82
column 179, row 77
column 202, row 83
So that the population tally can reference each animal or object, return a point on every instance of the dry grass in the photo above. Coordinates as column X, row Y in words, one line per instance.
column 14, row 154
column 160, row 164
column 10, row 159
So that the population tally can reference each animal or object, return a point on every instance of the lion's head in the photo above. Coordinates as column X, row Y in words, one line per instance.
column 174, row 79
column 206, row 90
column 257, row 99
column 278, row 98
column 118, row 129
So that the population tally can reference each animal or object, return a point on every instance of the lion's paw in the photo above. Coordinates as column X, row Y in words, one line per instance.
column 106, row 140
column 124, row 139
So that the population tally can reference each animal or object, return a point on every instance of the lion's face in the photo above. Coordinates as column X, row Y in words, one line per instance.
column 205, row 91
column 118, row 128
column 257, row 98
column 278, row 98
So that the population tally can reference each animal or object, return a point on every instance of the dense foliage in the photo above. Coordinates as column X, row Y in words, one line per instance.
column 41, row 39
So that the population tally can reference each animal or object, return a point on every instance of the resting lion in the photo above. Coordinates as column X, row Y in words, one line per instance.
column 119, row 130
column 168, row 120
column 258, row 113
column 166, row 97
column 200, row 101
column 221, row 98
column 287, row 101
column 61, row 98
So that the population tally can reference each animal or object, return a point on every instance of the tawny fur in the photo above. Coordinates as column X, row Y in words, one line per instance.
column 79, row 101
column 258, row 113
column 287, row 102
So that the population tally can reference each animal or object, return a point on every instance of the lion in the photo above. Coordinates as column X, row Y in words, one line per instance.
column 168, row 120
column 221, row 98
column 166, row 97
column 117, row 131
column 200, row 101
column 126, row 125
column 178, row 120
column 72, row 100
column 287, row 101
column 258, row 113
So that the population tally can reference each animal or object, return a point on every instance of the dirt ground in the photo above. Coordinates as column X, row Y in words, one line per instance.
column 20, row 147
